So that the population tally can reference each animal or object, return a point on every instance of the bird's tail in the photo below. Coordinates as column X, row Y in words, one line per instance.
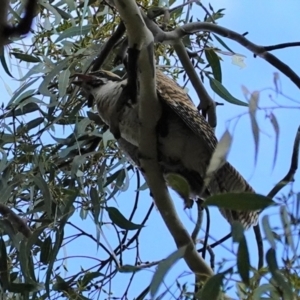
column 230, row 180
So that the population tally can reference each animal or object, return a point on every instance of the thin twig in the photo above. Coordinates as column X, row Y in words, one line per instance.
column 281, row 46
column 293, row 168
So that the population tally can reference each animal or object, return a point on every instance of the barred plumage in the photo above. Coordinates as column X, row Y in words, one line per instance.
column 186, row 141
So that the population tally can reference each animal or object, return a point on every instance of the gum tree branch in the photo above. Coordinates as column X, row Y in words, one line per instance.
column 180, row 32
column 281, row 46
column 293, row 168
column 149, row 114
column 207, row 105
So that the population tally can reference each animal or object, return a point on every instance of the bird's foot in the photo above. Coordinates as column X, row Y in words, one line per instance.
column 188, row 203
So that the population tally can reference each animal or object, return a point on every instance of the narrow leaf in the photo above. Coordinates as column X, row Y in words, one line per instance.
column 219, row 156
column 88, row 277
column 63, row 82
column 263, row 290
column 25, row 57
column 237, row 231
column 163, row 268
column 275, row 125
column 46, row 250
column 3, row 62
column 178, row 184
column 74, row 31
column 43, row 186
column 253, row 106
column 96, row 203
column 222, row 43
column 268, row 231
column 278, row 277
column 118, row 219
column 243, row 261
column 239, row 201
column 219, row 89
column 3, row 265
column 214, row 62
column 286, row 224
column 212, row 288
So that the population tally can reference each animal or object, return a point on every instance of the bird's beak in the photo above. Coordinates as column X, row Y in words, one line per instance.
column 83, row 78
column 86, row 79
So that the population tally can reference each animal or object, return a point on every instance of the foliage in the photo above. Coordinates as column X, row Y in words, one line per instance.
column 61, row 167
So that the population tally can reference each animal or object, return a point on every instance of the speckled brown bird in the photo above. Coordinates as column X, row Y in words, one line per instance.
column 186, row 141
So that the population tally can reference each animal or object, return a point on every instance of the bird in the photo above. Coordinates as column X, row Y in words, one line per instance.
column 186, row 141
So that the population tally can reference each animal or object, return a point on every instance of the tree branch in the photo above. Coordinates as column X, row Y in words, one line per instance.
column 293, row 168
column 149, row 114
column 207, row 105
column 169, row 37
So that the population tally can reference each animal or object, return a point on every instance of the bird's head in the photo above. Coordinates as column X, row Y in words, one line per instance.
column 95, row 80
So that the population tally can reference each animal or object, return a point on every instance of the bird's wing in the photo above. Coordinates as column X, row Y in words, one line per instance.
column 227, row 178
column 178, row 100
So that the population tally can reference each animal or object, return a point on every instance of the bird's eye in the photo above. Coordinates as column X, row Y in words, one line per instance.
column 96, row 82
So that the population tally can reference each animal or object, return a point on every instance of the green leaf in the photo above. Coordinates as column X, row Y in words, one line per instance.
column 21, row 90
column 253, row 106
column 222, row 43
column 179, row 184
column 26, row 95
column 264, row 289
column 214, row 62
column 219, row 89
column 96, row 203
column 43, row 186
column 63, row 82
column 286, row 224
column 7, row 228
column 46, row 250
column 3, row 265
column 268, row 231
column 28, row 108
column 243, row 261
column 118, row 219
column 239, row 201
column 212, row 288
column 237, row 231
column 95, row 117
column 163, row 268
column 43, row 88
column 59, row 237
column 128, row 269
column 74, row 31
column 5, row 192
column 88, row 277
column 63, row 14
column 277, row 276
column 30, row 125
column 3, row 160
column 3, row 62
column 25, row 57
column 21, row 288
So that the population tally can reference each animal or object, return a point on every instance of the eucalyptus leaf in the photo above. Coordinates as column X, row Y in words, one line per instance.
column 118, row 219
column 74, row 31
column 163, row 268
column 25, row 57
column 214, row 62
column 239, row 201
column 212, row 288
column 220, row 90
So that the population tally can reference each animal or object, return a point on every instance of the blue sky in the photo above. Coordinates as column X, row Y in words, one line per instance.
column 268, row 22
